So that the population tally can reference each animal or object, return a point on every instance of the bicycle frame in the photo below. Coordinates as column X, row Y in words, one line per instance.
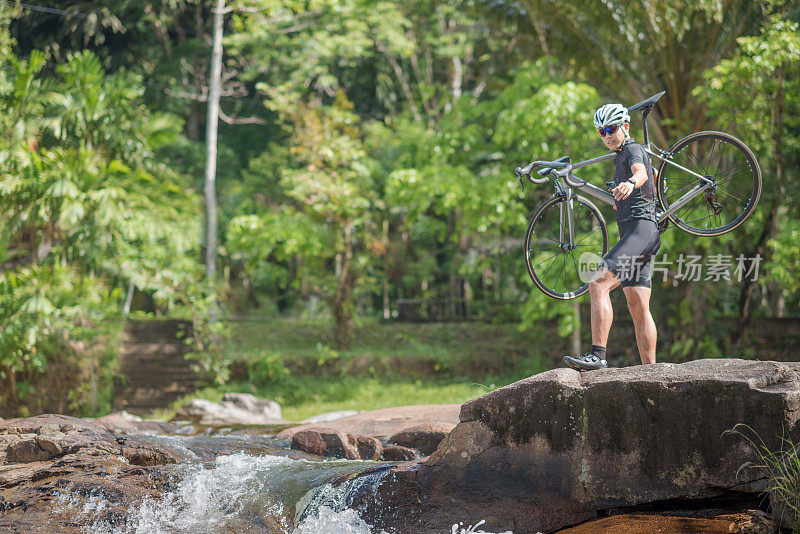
column 567, row 182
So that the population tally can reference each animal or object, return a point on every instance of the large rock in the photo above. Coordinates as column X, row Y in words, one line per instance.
column 425, row 437
column 554, row 449
column 53, row 466
column 235, row 408
column 398, row 453
column 387, row 421
column 323, row 442
column 330, row 443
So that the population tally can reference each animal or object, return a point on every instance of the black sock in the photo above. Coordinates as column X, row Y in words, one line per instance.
column 599, row 351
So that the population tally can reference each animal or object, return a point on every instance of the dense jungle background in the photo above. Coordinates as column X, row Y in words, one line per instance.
column 368, row 220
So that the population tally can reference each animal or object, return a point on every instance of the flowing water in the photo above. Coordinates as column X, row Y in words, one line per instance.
column 248, row 483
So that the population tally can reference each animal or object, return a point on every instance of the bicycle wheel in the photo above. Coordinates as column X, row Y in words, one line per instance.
column 558, row 269
column 733, row 171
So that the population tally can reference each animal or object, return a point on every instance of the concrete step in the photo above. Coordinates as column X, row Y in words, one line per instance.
column 153, row 347
column 153, row 366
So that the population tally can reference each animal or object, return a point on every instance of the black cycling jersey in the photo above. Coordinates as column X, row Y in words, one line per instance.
column 641, row 203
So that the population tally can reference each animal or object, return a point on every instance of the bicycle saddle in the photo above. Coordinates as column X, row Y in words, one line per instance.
column 649, row 103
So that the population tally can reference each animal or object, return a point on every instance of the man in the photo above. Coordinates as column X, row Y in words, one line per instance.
column 628, row 263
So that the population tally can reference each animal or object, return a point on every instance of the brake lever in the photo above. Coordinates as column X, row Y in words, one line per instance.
column 520, row 175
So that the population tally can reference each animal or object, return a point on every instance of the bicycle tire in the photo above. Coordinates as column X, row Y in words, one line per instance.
column 588, row 222
column 732, row 198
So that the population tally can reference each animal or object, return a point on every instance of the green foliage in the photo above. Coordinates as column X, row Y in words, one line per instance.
column 630, row 50
column 207, row 338
column 85, row 212
column 766, row 67
column 377, row 165
column 267, row 367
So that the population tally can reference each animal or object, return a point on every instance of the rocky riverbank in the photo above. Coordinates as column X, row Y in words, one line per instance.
column 48, row 460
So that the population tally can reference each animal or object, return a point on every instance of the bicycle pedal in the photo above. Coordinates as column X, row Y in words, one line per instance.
column 663, row 226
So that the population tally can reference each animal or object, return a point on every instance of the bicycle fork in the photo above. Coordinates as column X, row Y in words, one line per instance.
column 566, row 220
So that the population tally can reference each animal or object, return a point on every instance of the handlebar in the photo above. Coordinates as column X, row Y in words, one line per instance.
column 549, row 166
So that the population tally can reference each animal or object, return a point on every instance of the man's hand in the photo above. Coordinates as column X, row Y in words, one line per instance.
column 622, row 191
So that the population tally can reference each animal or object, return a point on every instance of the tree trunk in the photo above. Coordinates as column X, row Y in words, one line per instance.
column 126, row 310
column 211, row 150
column 343, row 305
column 387, row 314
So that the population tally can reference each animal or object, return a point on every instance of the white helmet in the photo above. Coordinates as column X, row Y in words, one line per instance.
column 611, row 114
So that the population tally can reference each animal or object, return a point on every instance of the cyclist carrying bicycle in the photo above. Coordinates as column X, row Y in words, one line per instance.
column 628, row 263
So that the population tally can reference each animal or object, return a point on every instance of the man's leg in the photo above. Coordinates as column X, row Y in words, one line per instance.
column 639, row 306
column 602, row 316
column 602, row 312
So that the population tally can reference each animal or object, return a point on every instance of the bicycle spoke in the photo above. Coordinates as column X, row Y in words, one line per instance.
column 711, row 154
column 698, row 219
column 694, row 162
column 682, row 189
column 563, row 264
column 577, row 268
column 719, row 161
column 548, row 238
column 548, row 259
column 735, row 194
column 587, row 235
column 688, row 210
column 720, row 175
column 736, row 200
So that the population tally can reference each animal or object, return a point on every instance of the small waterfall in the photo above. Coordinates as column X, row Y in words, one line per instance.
column 236, row 491
column 243, row 492
column 328, row 509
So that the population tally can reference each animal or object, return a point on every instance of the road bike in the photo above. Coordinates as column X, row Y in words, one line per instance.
column 707, row 184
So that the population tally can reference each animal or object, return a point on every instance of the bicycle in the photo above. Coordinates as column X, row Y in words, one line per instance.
column 725, row 195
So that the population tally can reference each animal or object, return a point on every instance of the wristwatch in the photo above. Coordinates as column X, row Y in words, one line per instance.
column 632, row 181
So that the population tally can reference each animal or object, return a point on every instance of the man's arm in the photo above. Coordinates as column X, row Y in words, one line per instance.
column 623, row 190
column 639, row 174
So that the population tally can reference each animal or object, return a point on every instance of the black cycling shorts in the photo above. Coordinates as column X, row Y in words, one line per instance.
column 631, row 258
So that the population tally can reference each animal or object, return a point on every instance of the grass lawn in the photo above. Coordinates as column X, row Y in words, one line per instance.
column 388, row 364
column 303, row 397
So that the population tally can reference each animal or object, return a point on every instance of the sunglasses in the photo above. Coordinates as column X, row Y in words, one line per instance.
column 608, row 130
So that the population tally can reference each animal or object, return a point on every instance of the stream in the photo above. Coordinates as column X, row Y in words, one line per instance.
column 243, row 483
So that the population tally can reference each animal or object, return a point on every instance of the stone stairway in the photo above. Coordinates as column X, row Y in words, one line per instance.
column 153, row 370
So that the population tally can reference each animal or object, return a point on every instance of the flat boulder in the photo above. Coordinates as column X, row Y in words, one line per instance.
column 123, row 422
column 556, row 448
column 328, row 417
column 234, row 409
column 387, row 421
